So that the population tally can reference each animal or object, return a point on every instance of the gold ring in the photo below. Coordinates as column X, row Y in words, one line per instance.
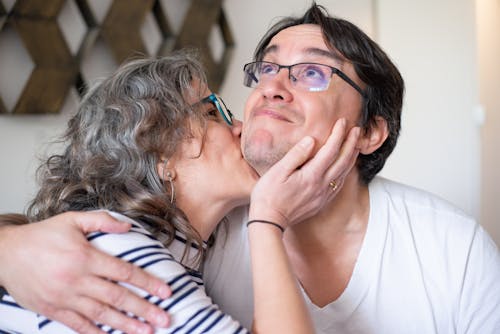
column 333, row 185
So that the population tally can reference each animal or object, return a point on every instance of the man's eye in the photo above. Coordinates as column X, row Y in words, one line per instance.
column 312, row 72
column 267, row 69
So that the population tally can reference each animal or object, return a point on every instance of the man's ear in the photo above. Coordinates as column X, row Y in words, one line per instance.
column 374, row 136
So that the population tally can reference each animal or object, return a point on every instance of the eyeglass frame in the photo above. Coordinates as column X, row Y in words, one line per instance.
column 217, row 101
column 334, row 70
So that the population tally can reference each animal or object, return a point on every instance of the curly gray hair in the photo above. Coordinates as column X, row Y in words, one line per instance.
column 114, row 143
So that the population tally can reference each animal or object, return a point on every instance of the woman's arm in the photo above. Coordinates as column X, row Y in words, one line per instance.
column 64, row 263
column 287, row 194
column 279, row 305
column 190, row 308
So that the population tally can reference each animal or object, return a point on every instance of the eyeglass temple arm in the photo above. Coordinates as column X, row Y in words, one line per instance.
column 252, row 75
column 349, row 81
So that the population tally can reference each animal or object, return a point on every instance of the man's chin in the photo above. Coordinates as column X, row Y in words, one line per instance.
column 261, row 161
column 260, row 150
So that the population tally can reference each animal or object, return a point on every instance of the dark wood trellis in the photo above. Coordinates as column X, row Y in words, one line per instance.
column 56, row 70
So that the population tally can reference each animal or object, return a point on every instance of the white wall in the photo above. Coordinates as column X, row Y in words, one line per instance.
column 488, row 23
column 432, row 42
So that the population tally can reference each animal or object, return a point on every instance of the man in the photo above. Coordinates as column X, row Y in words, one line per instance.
column 381, row 257
column 372, row 260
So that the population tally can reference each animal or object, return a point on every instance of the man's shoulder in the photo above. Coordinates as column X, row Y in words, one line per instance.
column 409, row 198
column 441, row 235
column 420, row 214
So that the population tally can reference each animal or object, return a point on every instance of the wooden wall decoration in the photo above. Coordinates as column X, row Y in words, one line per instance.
column 3, row 18
column 3, row 15
column 56, row 70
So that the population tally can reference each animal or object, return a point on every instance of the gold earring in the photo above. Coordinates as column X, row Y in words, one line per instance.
column 170, row 180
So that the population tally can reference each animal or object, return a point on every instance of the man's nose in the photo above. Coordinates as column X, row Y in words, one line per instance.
column 277, row 87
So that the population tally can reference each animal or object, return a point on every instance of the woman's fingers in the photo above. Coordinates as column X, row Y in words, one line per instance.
column 331, row 149
column 297, row 193
column 294, row 158
column 345, row 161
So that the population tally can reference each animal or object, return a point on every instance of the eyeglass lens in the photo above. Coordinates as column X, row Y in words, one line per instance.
column 308, row 76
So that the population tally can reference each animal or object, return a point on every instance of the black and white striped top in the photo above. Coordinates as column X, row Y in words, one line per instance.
column 190, row 309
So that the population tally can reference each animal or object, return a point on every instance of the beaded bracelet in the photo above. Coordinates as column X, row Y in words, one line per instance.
column 266, row 222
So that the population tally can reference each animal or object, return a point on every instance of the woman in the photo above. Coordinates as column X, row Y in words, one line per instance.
column 154, row 147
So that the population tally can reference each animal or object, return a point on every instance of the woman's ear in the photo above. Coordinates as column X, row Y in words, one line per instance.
column 165, row 169
column 374, row 136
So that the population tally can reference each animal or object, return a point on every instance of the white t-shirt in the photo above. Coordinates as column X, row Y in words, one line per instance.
column 191, row 310
column 424, row 267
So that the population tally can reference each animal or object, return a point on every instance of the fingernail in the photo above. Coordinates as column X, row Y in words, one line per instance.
column 342, row 122
column 163, row 291
column 143, row 329
column 306, row 142
column 161, row 319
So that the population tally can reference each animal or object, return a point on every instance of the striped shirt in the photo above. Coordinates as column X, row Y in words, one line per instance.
column 190, row 309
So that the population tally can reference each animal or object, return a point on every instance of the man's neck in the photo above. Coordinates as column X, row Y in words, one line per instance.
column 323, row 249
column 348, row 212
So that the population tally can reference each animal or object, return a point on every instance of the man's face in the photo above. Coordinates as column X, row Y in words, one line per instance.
column 278, row 114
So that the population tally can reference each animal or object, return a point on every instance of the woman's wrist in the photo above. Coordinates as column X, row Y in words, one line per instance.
column 266, row 222
column 260, row 211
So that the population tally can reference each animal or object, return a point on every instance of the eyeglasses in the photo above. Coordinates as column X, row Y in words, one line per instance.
column 216, row 100
column 311, row 77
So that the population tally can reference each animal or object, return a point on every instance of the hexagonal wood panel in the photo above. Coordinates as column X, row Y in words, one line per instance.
column 56, row 70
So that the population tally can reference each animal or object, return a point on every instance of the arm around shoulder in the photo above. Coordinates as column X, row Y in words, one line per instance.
column 67, row 292
column 189, row 306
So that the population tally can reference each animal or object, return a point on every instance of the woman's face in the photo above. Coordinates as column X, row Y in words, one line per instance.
column 211, row 165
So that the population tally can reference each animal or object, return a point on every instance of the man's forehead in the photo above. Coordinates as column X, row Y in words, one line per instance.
column 306, row 40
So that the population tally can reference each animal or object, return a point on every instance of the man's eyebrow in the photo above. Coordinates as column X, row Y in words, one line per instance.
column 270, row 49
column 335, row 55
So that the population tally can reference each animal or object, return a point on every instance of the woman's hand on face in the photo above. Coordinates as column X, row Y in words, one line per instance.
column 51, row 268
column 299, row 185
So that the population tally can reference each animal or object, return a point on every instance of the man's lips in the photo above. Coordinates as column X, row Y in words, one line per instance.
column 271, row 113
